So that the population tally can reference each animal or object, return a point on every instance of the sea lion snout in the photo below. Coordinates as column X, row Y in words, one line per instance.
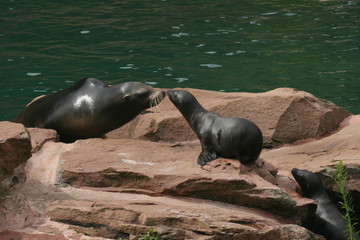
column 179, row 97
column 157, row 97
column 295, row 171
column 171, row 93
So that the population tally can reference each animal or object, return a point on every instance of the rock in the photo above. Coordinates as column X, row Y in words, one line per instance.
column 75, row 213
column 36, row 137
column 44, row 165
column 124, row 166
column 127, row 215
column 350, row 120
column 284, row 116
column 321, row 156
column 353, row 177
column 16, row 213
column 287, row 232
column 121, row 188
column 327, row 177
column 15, row 147
column 316, row 155
column 13, row 235
column 18, row 177
column 39, row 136
column 159, row 185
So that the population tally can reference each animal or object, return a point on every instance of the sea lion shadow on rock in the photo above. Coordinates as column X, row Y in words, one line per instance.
column 219, row 136
column 89, row 108
column 326, row 220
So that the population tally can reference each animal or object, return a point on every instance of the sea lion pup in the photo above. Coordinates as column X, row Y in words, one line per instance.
column 327, row 220
column 89, row 108
column 219, row 136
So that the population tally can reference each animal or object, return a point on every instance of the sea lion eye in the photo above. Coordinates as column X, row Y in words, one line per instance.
column 142, row 92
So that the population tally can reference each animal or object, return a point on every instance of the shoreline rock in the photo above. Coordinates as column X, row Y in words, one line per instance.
column 284, row 115
column 15, row 147
column 125, row 184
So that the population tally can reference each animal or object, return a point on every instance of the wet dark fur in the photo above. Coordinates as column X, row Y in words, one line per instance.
column 220, row 137
column 327, row 220
column 89, row 108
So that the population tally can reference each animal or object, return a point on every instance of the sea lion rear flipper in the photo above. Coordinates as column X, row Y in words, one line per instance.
column 205, row 157
column 208, row 152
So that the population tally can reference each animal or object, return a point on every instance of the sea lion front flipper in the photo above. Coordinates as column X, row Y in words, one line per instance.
column 205, row 157
column 208, row 152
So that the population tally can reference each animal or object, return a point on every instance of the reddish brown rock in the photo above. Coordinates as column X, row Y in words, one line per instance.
column 39, row 136
column 128, row 215
column 321, row 156
column 16, row 213
column 159, row 185
column 284, row 232
column 165, row 169
column 44, row 165
column 15, row 147
column 352, row 185
column 160, row 169
column 13, row 235
column 284, row 115
column 75, row 213
column 121, row 188
column 316, row 155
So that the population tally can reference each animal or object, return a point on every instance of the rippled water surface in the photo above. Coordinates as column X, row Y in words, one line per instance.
column 247, row 45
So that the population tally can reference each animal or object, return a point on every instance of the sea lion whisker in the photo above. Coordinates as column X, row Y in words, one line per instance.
column 155, row 100
column 152, row 101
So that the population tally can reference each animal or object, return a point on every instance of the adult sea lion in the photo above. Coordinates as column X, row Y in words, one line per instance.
column 89, row 108
column 327, row 220
column 219, row 136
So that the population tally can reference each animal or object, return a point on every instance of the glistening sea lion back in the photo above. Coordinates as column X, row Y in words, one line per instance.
column 90, row 108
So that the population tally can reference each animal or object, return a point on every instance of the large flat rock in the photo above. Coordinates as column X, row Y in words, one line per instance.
column 123, row 187
column 124, row 215
column 87, row 214
column 316, row 155
column 284, row 115
column 165, row 169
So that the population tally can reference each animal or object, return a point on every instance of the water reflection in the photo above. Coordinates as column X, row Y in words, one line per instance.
column 211, row 65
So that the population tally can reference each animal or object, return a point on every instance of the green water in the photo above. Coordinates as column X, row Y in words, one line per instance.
column 247, row 45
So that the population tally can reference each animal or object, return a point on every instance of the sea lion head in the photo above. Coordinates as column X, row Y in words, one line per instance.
column 140, row 94
column 308, row 181
column 181, row 98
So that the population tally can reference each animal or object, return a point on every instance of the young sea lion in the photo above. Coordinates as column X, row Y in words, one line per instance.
column 219, row 136
column 327, row 220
